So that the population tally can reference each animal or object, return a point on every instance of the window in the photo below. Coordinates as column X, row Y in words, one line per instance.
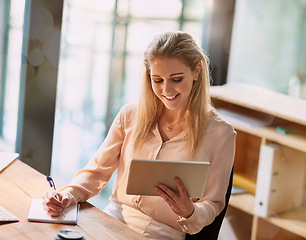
column 100, row 65
column 11, row 30
column 268, row 46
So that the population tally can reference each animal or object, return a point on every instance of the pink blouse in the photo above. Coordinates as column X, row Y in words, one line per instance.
column 116, row 152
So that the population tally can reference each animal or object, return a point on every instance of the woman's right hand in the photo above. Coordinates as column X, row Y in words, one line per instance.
column 55, row 203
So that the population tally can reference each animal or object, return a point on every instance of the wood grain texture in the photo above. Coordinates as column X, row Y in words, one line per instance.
column 256, row 114
column 19, row 183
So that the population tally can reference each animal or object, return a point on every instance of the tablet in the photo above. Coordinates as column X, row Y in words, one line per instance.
column 145, row 175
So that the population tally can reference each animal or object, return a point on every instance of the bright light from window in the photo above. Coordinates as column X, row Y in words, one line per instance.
column 12, row 78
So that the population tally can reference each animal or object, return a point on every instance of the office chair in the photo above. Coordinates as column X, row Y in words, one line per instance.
column 211, row 232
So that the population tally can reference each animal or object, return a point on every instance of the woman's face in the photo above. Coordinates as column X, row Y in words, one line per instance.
column 172, row 81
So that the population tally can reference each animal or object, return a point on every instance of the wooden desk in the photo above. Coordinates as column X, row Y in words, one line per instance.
column 19, row 183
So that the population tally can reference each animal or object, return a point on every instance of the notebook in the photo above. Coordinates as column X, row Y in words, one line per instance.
column 38, row 214
column 145, row 175
column 6, row 158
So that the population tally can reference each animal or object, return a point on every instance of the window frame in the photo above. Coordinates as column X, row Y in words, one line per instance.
column 36, row 109
column 4, row 22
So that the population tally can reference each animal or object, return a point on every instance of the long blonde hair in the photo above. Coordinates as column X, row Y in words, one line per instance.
column 182, row 46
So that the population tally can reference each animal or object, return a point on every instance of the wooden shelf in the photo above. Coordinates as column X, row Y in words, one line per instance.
column 293, row 221
column 256, row 114
column 262, row 100
column 273, row 104
column 244, row 202
column 295, row 141
column 241, row 180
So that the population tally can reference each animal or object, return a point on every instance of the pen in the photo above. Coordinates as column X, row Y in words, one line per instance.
column 51, row 182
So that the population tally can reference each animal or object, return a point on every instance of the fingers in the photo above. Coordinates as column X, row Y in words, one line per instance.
column 181, row 188
column 179, row 201
column 166, row 193
column 65, row 202
column 55, row 203
column 174, row 195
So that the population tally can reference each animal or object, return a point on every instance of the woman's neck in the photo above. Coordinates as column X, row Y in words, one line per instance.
column 172, row 117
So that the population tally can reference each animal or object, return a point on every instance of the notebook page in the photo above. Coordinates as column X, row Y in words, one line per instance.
column 38, row 214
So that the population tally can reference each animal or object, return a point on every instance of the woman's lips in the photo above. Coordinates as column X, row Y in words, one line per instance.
column 171, row 98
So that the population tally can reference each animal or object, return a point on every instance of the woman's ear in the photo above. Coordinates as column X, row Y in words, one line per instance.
column 197, row 72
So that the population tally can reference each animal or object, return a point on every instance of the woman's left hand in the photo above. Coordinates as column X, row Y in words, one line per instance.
column 179, row 201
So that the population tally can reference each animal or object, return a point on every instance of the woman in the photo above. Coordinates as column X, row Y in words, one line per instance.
column 174, row 120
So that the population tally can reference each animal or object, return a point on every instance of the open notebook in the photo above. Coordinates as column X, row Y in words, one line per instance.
column 38, row 214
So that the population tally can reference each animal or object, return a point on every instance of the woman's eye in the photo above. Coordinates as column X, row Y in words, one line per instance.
column 177, row 79
column 157, row 80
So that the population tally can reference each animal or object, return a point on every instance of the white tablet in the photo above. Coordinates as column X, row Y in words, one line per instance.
column 145, row 175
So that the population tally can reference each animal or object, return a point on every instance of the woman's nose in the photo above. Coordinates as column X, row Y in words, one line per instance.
column 167, row 87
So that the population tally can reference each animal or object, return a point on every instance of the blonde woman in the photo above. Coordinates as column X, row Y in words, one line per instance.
column 173, row 121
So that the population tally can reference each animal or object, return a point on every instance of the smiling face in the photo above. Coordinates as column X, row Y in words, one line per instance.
column 172, row 81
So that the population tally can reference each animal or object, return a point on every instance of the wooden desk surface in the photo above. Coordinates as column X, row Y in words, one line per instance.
column 19, row 183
